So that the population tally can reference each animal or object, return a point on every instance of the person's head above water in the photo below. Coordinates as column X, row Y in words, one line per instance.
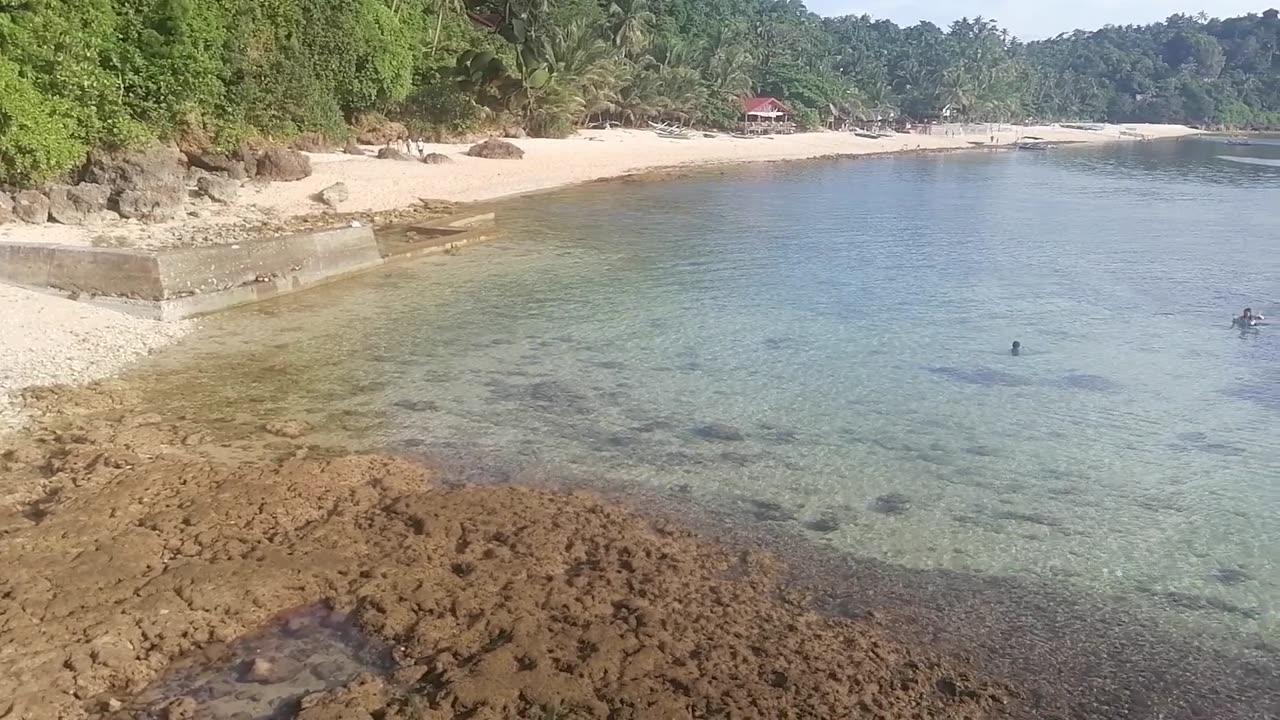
column 1017, row 347
column 1248, row 312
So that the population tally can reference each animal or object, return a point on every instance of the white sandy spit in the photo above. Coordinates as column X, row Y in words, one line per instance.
column 381, row 185
column 47, row 340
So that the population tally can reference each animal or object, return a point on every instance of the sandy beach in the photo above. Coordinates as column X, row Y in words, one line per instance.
column 380, row 185
column 45, row 339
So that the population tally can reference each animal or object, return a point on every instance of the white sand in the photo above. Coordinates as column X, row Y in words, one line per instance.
column 380, row 185
column 46, row 340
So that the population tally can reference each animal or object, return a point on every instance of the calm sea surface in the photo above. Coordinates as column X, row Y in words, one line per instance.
column 825, row 347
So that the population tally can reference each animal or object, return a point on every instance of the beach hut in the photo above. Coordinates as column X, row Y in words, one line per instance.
column 765, row 115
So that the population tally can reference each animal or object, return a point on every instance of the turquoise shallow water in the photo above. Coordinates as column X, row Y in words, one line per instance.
column 824, row 347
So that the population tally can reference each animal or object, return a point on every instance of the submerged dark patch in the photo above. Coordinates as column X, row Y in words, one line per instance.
column 1202, row 604
column 825, row 523
column 768, row 511
column 547, row 395
column 719, row 431
column 1230, row 575
column 891, row 504
column 1034, row 518
column 416, row 405
column 1091, row 383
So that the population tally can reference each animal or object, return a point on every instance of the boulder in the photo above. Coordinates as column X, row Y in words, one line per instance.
column 390, row 153
column 154, row 206
column 194, row 174
column 31, row 207
column 158, row 167
column 334, row 195
column 283, row 164
column 218, row 189
column 79, row 205
column 234, row 167
column 6, row 208
column 495, row 149
column 352, row 148
column 515, row 131
column 436, row 159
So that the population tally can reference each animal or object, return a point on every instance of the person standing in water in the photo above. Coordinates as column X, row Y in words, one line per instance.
column 1016, row 350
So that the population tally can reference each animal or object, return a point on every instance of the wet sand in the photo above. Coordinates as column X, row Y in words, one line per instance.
column 132, row 540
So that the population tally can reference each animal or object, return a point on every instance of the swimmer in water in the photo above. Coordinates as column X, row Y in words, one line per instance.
column 1247, row 319
column 1016, row 349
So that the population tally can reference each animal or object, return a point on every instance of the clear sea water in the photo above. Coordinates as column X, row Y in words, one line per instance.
column 848, row 323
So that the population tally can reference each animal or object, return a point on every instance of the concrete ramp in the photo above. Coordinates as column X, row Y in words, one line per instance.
column 185, row 282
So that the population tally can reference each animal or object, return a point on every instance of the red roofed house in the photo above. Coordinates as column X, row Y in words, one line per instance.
column 765, row 115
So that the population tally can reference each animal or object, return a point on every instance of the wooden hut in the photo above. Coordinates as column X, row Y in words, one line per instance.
column 765, row 116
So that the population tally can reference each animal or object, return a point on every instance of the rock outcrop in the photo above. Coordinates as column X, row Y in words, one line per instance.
column 219, row 190
column 147, row 184
column 6, row 208
column 159, row 205
column 79, row 205
column 390, row 153
column 283, row 165
column 436, row 159
column 233, row 167
column 495, row 149
column 150, row 168
column 32, row 207
column 334, row 195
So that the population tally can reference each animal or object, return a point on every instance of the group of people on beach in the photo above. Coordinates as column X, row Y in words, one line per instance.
column 416, row 147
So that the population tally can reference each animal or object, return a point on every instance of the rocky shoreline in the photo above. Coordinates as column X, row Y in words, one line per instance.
column 135, row 540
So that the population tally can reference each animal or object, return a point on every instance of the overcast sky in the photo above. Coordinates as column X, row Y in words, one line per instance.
column 1037, row 19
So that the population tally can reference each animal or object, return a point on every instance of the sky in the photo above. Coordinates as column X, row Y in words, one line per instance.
column 1038, row 19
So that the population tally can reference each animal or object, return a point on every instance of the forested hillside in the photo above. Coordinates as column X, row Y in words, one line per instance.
column 80, row 73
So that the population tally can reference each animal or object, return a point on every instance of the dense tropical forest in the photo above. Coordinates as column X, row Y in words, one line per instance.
column 81, row 73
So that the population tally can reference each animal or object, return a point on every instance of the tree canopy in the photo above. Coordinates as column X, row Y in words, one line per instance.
column 81, row 73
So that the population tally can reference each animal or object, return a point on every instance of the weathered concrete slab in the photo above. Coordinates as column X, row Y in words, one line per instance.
column 26, row 264
column 182, row 283
column 307, row 256
column 106, row 271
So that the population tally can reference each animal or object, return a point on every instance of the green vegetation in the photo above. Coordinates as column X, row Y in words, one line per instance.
column 75, row 74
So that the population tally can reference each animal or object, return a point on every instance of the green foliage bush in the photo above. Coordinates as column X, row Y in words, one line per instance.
column 37, row 138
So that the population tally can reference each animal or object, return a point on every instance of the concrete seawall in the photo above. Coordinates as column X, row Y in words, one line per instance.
column 185, row 282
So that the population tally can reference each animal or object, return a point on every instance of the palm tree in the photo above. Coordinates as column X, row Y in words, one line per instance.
column 630, row 24
column 441, row 8
column 587, row 75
